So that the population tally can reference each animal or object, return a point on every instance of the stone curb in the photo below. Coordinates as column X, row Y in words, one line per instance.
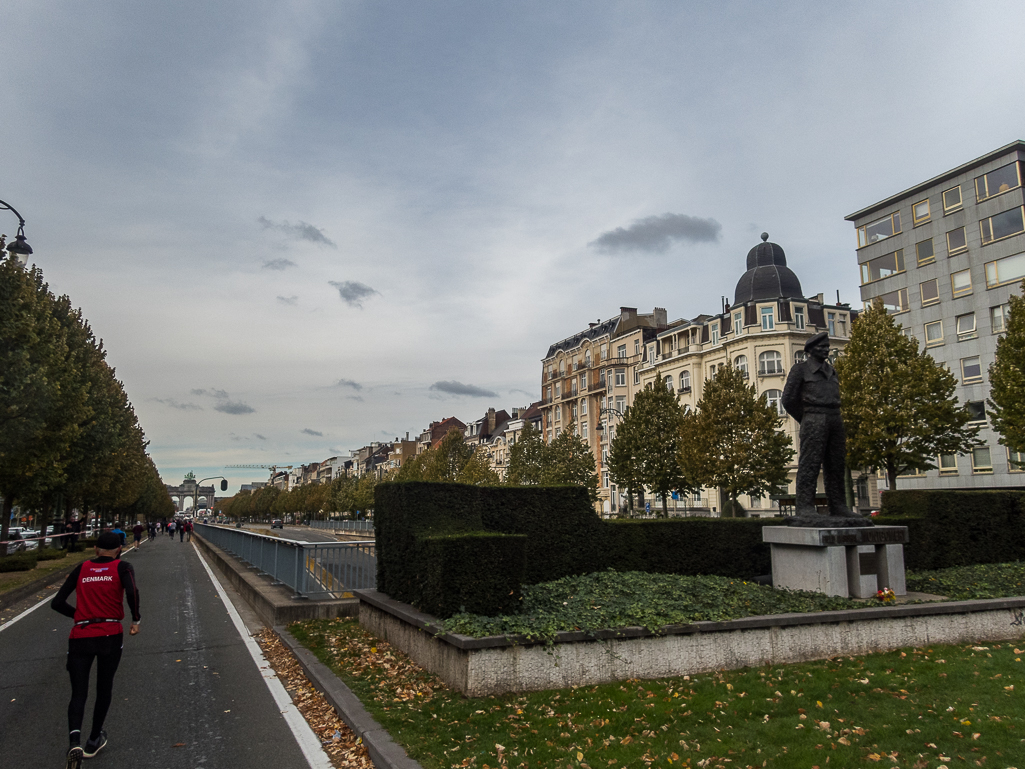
column 384, row 752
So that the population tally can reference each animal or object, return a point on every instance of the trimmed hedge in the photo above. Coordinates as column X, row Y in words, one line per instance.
column 24, row 561
column 957, row 528
column 50, row 554
column 437, row 547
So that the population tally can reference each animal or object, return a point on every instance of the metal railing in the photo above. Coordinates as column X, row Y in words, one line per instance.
column 311, row 569
column 343, row 525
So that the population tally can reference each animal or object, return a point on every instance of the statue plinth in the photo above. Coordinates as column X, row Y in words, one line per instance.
column 847, row 561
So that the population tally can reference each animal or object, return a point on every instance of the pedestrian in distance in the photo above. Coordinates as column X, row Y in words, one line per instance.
column 100, row 585
column 181, row 530
column 121, row 533
column 188, row 530
column 137, row 531
column 170, row 530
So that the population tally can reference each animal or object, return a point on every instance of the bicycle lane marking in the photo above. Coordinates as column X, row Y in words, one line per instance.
column 308, row 742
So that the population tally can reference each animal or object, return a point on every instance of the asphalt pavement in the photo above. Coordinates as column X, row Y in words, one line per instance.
column 187, row 694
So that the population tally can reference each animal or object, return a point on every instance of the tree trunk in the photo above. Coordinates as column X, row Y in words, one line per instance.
column 891, row 477
column 665, row 506
column 5, row 524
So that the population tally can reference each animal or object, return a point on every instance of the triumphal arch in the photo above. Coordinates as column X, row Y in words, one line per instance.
column 202, row 496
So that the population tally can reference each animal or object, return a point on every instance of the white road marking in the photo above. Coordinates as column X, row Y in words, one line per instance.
column 27, row 611
column 308, row 741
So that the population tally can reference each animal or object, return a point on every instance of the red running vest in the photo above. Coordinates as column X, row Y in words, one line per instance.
column 98, row 596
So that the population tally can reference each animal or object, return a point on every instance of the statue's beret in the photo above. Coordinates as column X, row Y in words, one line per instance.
column 822, row 336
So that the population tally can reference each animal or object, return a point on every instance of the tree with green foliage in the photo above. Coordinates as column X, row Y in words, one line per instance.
column 452, row 461
column 1007, row 380
column 733, row 441
column 645, row 451
column 570, row 461
column 527, row 458
column 899, row 406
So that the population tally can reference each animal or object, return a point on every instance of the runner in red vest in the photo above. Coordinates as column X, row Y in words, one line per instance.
column 100, row 586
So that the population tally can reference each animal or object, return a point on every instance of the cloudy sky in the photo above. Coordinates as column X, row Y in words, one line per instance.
column 303, row 226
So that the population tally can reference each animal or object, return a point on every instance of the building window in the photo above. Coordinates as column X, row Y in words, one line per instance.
column 768, row 322
column 583, row 430
column 956, row 241
column 583, row 406
column 587, row 359
column 924, row 253
column 740, row 363
column 895, row 301
column 637, row 346
column 558, row 413
column 831, row 323
column 770, row 362
column 948, row 464
column 799, row 317
column 1006, row 270
column 738, row 323
column 669, row 382
column 880, row 229
column 961, row 282
column 994, row 183
column 620, row 377
column 621, row 351
column 583, row 383
column 1015, row 461
column 621, row 404
column 977, row 409
column 774, row 398
column 562, row 367
column 685, row 381
column 882, row 267
column 800, row 356
column 934, row 333
column 1002, row 225
column 604, row 352
column 952, row 199
column 558, row 389
column 966, row 326
column 637, row 375
column 715, row 333
column 971, row 369
column 920, row 212
column 998, row 318
column 930, row 292
column 651, row 353
column 982, row 462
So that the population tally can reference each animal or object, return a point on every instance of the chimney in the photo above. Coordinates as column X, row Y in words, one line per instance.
column 661, row 318
column 627, row 313
column 491, row 421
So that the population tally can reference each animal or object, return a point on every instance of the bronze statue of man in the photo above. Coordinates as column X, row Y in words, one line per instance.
column 812, row 397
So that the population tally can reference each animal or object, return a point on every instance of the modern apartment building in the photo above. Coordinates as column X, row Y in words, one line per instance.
column 762, row 333
column 944, row 255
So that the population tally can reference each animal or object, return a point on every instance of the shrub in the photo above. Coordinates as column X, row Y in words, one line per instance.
column 24, row 561
column 50, row 554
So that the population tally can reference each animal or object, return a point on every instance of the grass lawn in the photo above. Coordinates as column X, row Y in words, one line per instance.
column 913, row 708
column 10, row 580
column 917, row 708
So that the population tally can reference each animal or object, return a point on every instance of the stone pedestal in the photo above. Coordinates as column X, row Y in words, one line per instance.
column 849, row 562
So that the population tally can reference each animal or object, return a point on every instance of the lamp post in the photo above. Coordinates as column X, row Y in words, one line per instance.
column 19, row 250
column 224, row 487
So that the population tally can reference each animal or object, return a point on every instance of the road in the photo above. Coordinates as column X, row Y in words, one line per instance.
column 188, row 692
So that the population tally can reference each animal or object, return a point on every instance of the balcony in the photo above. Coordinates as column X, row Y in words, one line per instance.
column 775, row 371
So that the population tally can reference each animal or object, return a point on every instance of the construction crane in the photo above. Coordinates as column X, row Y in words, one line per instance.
column 272, row 468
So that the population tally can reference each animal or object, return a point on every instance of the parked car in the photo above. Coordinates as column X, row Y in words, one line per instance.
column 277, row 523
column 19, row 535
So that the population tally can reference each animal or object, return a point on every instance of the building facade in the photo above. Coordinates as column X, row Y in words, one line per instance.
column 944, row 256
column 762, row 334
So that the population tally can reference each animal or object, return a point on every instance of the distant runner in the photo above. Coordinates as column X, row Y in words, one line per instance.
column 137, row 531
column 98, row 585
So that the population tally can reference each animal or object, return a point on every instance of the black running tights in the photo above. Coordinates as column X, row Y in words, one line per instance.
column 81, row 651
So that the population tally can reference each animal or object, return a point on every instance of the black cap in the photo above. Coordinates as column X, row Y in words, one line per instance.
column 108, row 540
column 822, row 336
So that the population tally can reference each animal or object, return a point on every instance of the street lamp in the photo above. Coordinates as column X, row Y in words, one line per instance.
column 224, row 487
column 19, row 250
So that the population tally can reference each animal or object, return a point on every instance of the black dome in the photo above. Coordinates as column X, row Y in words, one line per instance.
column 767, row 276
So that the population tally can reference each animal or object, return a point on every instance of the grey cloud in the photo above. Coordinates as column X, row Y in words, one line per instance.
column 300, row 231
column 308, row 431
column 292, row 301
column 353, row 293
column 259, row 436
column 458, row 388
column 221, row 394
column 279, row 264
column 355, row 398
column 349, row 383
column 655, row 234
column 178, row 405
column 234, row 407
